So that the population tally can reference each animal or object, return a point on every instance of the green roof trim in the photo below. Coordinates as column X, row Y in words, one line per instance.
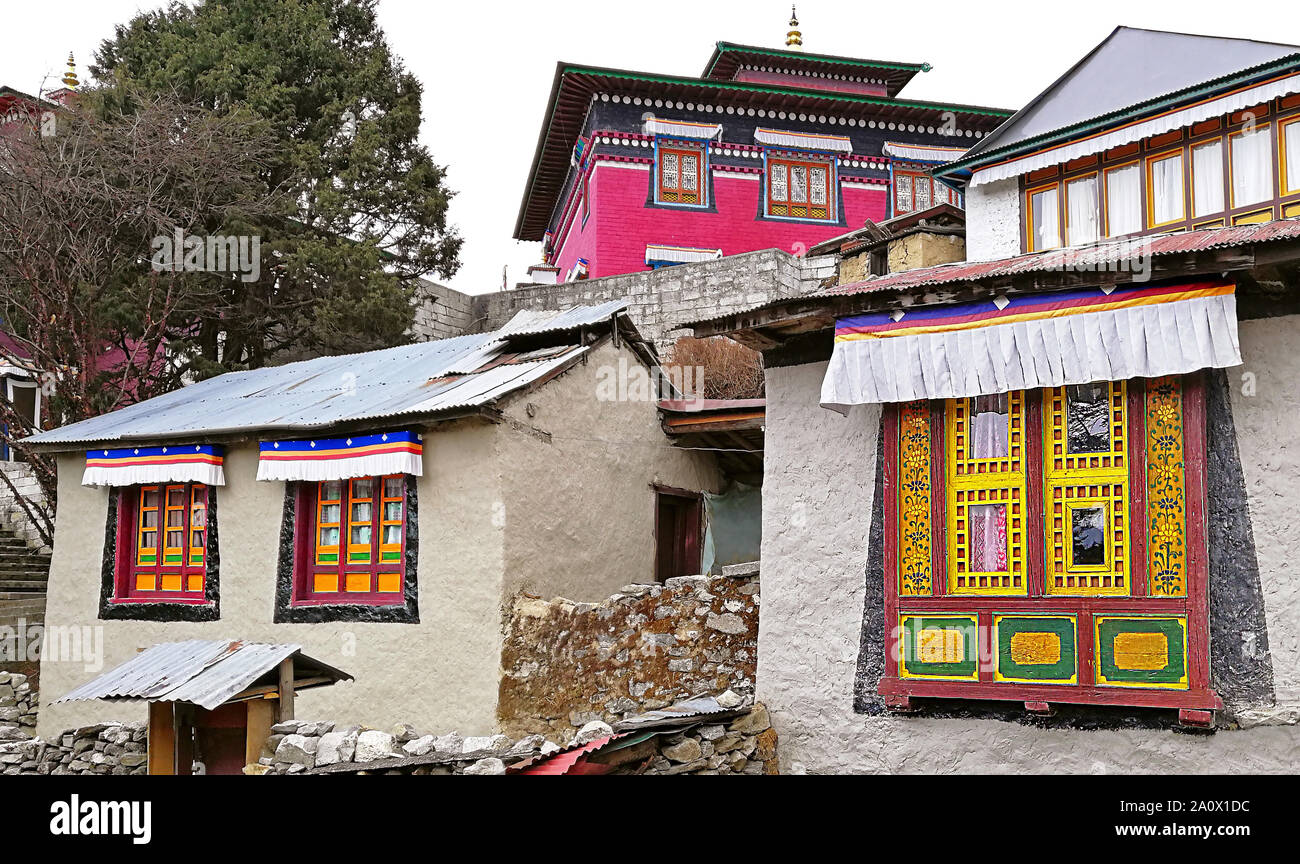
column 1038, row 142
column 817, row 58
column 884, row 102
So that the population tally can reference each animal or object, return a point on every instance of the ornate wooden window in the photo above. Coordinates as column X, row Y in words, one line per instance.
column 800, row 188
column 680, row 173
column 1049, row 546
column 917, row 190
column 352, row 536
column 162, row 543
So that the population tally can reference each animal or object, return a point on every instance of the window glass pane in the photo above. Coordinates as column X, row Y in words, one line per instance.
column 1167, row 189
column 174, row 539
column 361, row 512
column 392, row 535
column 1207, row 179
column 175, row 497
column 149, row 519
column 1088, row 535
column 149, row 498
column 393, row 487
column 329, row 536
column 363, row 488
column 922, row 193
column 903, row 196
column 196, row 539
column 778, row 183
column 798, row 183
column 1123, row 201
column 988, row 538
column 1087, row 418
column 1046, row 219
column 329, row 513
column 175, row 518
column 360, row 535
column 1291, row 144
column 817, row 182
column 393, row 511
column 990, row 427
column 148, row 540
column 1252, row 168
column 668, row 170
column 1082, row 214
column 331, row 490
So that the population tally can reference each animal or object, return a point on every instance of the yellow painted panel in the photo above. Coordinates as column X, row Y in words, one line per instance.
column 358, row 582
column 325, row 582
column 1141, row 651
column 1254, row 218
column 941, row 646
column 196, row 583
column 171, row 582
column 1032, row 649
column 144, row 582
column 1290, row 211
column 390, row 582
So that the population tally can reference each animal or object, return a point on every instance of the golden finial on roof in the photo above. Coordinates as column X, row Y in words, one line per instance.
column 794, row 39
column 70, row 77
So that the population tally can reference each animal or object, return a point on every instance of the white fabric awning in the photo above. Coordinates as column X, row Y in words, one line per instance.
column 174, row 463
column 682, row 129
column 1247, row 98
column 655, row 254
column 1041, row 340
column 342, row 458
column 921, row 152
column 803, row 140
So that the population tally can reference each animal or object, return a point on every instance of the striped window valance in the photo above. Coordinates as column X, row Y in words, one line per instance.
column 173, row 463
column 803, row 140
column 682, row 129
column 342, row 458
column 1041, row 340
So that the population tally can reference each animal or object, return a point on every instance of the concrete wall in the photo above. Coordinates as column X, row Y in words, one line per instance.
column 661, row 301
column 820, row 472
column 584, row 531
column 441, row 672
column 440, row 312
column 993, row 220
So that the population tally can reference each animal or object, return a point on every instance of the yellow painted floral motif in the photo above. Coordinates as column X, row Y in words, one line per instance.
column 1166, row 490
column 914, row 499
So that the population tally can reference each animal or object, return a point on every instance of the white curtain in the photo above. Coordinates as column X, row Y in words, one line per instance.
column 1123, row 201
column 1047, row 220
column 1207, row 179
column 1167, row 189
column 1081, row 211
column 1252, row 168
column 990, row 427
column 1292, row 145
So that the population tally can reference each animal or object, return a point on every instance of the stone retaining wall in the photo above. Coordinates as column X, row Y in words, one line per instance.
column 105, row 748
column 18, row 704
column 567, row 664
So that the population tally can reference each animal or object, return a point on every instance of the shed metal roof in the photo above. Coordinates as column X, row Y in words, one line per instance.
column 408, row 381
column 202, row 672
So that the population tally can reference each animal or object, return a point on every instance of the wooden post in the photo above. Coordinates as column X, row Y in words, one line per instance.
column 184, row 725
column 261, row 716
column 162, row 739
column 286, row 689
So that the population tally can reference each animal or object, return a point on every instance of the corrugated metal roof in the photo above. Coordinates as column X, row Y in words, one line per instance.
column 409, row 380
column 1075, row 259
column 202, row 672
column 530, row 322
column 685, row 713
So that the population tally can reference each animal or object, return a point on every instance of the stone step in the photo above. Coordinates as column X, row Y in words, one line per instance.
column 27, row 585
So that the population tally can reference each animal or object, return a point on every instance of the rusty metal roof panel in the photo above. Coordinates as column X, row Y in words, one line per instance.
column 202, row 672
column 310, row 395
column 529, row 322
column 686, row 713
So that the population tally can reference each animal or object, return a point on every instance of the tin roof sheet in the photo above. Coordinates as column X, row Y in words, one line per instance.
column 199, row 671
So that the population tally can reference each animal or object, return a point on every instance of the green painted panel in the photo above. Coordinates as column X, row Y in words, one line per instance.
column 1062, row 628
column 1108, row 629
column 914, row 665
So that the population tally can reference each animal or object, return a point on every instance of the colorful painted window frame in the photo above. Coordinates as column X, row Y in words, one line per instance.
column 681, row 169
column 917, row 190
column 1132, row 630
column 792, row 190
column 162, row 543
column 350, row 541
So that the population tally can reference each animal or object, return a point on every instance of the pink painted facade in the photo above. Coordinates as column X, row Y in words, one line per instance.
column 619, row 225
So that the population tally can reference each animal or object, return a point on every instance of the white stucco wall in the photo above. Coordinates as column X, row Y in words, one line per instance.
column 587, row 529
column 439, row 674
column 819, row 479
column 993, row 220
column 1265, row 409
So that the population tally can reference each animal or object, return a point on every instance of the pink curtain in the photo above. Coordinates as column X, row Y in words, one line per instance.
column 988, row 538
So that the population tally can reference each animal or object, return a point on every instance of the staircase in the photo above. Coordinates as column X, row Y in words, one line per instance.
column 24, row 575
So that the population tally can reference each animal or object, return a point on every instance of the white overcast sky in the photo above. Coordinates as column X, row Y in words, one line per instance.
column 487, row 66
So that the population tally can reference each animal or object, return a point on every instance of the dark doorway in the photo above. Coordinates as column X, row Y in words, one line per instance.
column 678, row 527
column 219, row 738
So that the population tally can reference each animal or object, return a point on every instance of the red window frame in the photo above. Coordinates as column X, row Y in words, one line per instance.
column 1193, row 703
column 788, row 207
column 366, row 572
column 938, row 192
column 677, row 192
column 181, row 574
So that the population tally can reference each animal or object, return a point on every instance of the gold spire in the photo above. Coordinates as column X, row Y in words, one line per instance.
column 70, row 77
column 794, row 39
